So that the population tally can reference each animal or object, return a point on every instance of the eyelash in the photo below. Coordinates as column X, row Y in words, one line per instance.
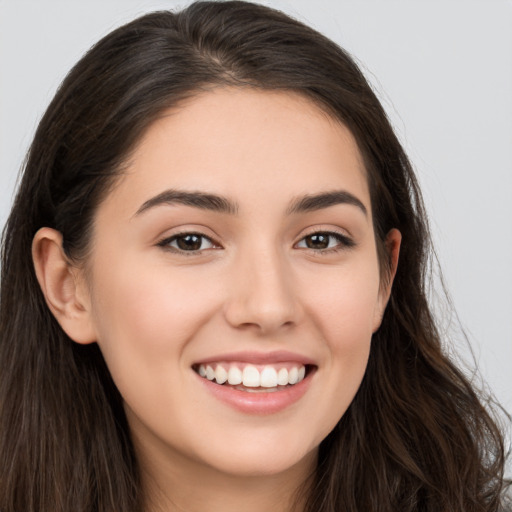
column 166, row 243
column 343, row 242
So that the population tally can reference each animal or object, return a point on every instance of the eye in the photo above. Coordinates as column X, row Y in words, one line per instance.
column 188, row 242
column 325, row 241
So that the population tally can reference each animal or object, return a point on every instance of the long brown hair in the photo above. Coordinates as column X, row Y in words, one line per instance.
column 415, row 438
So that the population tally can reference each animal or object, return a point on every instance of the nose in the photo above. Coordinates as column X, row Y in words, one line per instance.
column 262, row 295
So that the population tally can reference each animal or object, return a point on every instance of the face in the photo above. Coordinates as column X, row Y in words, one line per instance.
column 234, row 283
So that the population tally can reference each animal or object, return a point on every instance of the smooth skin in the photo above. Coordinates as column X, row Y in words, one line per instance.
column 257, row 275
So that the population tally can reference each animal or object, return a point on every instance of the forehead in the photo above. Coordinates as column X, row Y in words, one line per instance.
column 246, row 142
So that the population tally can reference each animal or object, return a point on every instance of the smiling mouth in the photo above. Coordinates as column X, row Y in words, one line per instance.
column 254, row 378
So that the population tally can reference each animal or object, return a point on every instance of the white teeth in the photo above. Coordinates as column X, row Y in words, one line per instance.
column 234, row 376
column 268, row 377
column 221, row 375
column 293, row 376
column 210, row 373
column 250, row 377
column 282, row 377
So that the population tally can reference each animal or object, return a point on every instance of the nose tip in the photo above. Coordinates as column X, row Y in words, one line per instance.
column 263, row 299
column 264, row 320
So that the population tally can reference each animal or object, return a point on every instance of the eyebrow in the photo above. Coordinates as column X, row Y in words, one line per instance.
column 220, row 204
column 200, row 200
column 323, row 200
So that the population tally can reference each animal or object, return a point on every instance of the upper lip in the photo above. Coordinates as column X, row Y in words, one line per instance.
column 279, row 356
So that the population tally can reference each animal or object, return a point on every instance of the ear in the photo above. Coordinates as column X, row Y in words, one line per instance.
column 392, row 246
column 63, row 286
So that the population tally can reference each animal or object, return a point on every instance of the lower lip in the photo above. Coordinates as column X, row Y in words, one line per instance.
column 259, row 402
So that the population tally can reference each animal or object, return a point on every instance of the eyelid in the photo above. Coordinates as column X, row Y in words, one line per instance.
column 345, row 241
column 165, row 242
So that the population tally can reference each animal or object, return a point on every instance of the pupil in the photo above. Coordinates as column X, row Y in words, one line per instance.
column 317, row 241
column 189, row 242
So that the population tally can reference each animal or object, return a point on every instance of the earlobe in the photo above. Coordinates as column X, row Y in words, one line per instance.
column 392, row 243
column 62, row 286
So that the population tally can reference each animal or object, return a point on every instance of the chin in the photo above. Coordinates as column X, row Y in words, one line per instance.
column 269, row 464
column 255, row 455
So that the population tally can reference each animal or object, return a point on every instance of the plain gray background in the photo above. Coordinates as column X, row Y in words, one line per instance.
column 443, row 70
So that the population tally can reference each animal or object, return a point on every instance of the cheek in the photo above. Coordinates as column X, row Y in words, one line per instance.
column 347, row 324
column 144, row 317
column 343, row 309
column 344, row 303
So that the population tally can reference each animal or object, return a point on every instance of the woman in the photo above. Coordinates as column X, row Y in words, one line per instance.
column 213, row 289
